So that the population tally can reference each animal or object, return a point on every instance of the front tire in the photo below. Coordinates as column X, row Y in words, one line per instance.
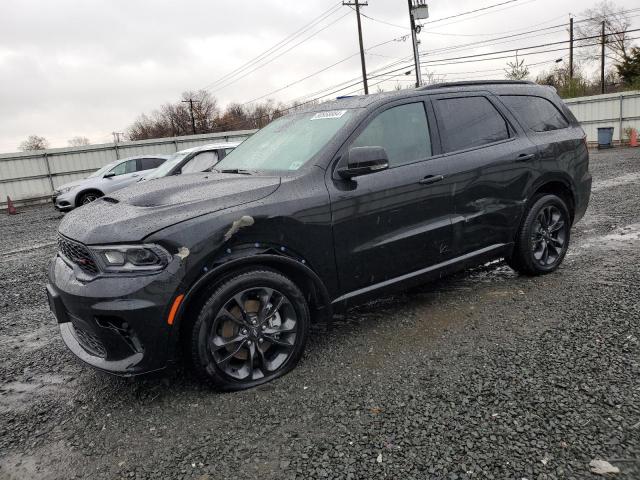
column 543, row 237
column 88, row 197
column 252, row 329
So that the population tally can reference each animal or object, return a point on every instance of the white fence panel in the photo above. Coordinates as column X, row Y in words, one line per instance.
column 617, row 110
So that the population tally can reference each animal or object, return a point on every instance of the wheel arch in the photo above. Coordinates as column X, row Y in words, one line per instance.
column 559, row 185
column 304, row 277
column 85, row 191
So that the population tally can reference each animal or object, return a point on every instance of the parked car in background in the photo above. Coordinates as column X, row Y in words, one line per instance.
column 193, row 160
column 111, row 177
column 324, row 208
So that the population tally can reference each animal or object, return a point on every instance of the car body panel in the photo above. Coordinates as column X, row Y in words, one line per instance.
column 67, row 200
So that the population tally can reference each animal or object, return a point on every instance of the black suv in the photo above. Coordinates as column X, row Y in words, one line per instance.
column 320, row 210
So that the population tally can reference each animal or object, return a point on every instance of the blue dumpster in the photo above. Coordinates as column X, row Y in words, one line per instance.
column 605, row 137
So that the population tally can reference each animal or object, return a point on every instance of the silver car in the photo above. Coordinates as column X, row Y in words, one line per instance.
column 193, row 160
column 111, row 177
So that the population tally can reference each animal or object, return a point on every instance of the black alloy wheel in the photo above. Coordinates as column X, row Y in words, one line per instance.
column 549, row 235
column 250, row 331
column 543, row 237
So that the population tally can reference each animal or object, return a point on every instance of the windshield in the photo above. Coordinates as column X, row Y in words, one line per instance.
column 166, row 167
column 103, row 170
column 286, row 143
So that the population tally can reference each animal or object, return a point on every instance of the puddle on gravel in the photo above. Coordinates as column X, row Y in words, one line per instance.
column 418, row 319
column 615, row 182
column 619, row 238
column 27, row 342
column 20, row 395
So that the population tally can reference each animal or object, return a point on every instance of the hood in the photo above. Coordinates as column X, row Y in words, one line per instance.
column 131, row 214
column 75, row 183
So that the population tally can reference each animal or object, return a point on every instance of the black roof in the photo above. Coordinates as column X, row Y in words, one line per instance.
column 363, row 101
column 473, row 83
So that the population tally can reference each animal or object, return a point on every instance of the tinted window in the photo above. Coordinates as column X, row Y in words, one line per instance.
column 125, row 167
column 469, row 122
column 149, row 163
column 536, row 113
column 201, row 162
column 402, row 131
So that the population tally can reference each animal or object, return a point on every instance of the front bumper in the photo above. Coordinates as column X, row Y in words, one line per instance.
column 63, row 201
column 115, row 324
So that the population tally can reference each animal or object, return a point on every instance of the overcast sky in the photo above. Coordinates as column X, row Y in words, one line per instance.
column 89, row 67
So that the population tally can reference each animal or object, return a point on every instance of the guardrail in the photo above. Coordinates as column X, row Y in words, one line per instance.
column 31, row 177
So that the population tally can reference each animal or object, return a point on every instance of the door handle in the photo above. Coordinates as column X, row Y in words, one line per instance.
column 523, row 157
column 429, row 179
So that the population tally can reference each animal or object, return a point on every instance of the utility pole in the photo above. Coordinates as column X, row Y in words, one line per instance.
column 116, row 136
column 357, row 4
column 602, row 58
column 193, row 120
column 570, row 48
column 417, row 9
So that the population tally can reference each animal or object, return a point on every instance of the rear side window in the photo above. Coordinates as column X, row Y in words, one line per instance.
column 149, row 163
column 402, row 131
column 536, row 113
column 468, row 122
column 201, row 162
column 125, row 167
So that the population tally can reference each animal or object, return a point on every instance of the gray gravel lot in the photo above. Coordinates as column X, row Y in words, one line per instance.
column 483, row 375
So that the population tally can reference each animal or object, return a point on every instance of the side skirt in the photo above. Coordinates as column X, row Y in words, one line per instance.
column 422, row 276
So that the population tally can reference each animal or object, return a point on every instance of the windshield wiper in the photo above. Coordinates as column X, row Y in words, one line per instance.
column 238, row 171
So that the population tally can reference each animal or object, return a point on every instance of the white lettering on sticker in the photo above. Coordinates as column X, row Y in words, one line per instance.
column 328, row 115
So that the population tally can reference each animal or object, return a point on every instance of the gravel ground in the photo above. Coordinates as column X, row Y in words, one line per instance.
column 484, row 375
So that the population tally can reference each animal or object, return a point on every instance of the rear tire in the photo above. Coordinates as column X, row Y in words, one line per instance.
column 252, row 329
column 543, row 238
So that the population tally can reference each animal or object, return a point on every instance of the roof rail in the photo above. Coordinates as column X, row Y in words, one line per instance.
column 476, row 82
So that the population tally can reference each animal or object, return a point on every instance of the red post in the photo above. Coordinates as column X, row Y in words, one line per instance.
column 633, row 138
column 11, row 209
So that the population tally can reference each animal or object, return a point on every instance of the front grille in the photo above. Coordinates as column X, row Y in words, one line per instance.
column 90, row 342
column 77, row 253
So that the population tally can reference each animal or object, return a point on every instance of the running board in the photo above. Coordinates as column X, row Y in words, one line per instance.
column 408, row 277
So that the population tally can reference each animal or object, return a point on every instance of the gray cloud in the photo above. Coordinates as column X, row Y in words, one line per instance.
column 87, row 67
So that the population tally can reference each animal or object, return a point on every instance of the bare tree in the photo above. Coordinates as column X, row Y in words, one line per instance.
column 34, row 142
column 78, row 141
column 617, row 23
column 517, row 70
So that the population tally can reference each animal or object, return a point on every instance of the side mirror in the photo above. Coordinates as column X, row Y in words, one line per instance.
column 364, row 160
column 109, row 175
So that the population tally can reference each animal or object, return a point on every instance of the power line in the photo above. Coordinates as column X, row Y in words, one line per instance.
column 288, row 39
column 469, row 12
column 258, row 67
column 323, row 70
column 524, row 48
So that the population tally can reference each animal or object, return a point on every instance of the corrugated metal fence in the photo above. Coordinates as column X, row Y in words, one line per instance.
column 31, row 177
column 617, row 110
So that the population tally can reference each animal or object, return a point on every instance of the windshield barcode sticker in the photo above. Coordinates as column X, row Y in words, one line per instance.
column 328, row 115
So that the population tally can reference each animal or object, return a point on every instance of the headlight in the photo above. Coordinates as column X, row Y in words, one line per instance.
column 131, row 258
column 60, row 191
